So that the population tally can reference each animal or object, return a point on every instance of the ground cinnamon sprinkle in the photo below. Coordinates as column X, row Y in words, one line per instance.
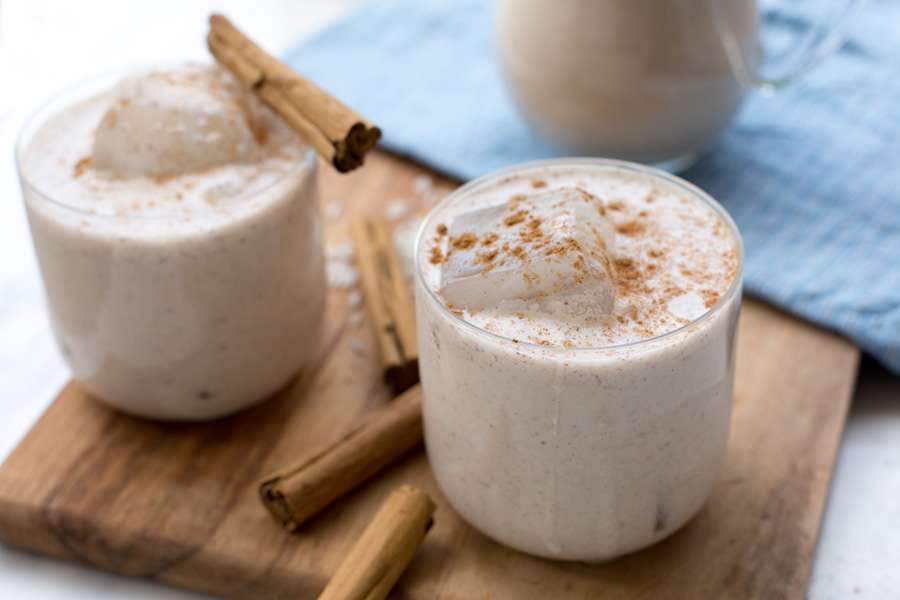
column 441, row 229
column 628, row 276
column 624, row 263
column 489, row 238
column 463, row 241
column 631, row 228
column 532, row 233
column 161, row 179
column 437, row 257
column 83, row 164
column 483, row 258
column 673, row 290
column 515, row 218
column 710, row 297
column 580, row 265
column 654, row 265
column 538, row 183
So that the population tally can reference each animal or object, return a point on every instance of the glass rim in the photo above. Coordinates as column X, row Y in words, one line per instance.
column 733, row 288
column 61, row 99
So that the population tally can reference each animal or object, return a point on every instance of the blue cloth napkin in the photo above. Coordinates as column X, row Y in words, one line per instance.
column 811, row 175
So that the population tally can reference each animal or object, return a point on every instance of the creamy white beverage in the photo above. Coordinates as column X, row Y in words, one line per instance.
column 176, row 224
column 576, row 325
column 645, row 80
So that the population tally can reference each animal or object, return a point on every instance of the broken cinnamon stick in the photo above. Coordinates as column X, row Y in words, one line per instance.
column 385, row 548
column 339, row 134
column 303, row 490
column 388, row 301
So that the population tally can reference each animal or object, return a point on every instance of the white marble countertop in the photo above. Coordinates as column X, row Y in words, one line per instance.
column 46, row 45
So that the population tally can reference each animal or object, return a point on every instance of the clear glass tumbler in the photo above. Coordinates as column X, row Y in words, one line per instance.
column 168, row 316
column 574, row 453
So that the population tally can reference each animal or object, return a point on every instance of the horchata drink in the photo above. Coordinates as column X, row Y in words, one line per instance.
column 576, row 327
column 176, row 225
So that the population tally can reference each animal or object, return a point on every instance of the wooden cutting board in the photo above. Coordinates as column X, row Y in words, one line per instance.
column 178, row 503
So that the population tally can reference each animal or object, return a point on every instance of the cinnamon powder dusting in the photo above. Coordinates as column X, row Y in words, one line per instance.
column 710, row 297
column 515, row 218
column 652, row 265
column 437, row 257
column 463, row 241
column 83, row 164
column 486, row 259
column 631, row 228
column 489, row 238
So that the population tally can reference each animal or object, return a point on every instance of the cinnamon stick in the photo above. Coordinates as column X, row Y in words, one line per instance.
column 339, row 134
column 388, row 302
column 385, row 548
column 303, row 490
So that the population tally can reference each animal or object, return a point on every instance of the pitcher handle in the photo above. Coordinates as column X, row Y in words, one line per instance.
column 823, row 37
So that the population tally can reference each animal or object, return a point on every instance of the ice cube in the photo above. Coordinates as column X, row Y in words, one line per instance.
column 553, row 246
column 184, row 120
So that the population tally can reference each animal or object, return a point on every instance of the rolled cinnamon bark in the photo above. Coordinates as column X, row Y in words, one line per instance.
column 298, row 493
column 385, row 548
column 338, row 133
column 388, row 301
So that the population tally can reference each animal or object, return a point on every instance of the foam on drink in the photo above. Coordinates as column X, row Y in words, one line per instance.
column 577, row 261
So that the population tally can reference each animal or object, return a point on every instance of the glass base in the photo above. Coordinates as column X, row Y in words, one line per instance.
column 677, row 164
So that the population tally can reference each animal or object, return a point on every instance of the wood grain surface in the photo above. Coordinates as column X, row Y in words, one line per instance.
column 178, row 503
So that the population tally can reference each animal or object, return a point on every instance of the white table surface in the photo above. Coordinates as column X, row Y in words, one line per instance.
column 45, row 45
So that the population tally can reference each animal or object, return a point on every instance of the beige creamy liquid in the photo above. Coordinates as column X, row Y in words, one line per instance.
column 643, row 80
column 184, row 296
column 564, row 437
